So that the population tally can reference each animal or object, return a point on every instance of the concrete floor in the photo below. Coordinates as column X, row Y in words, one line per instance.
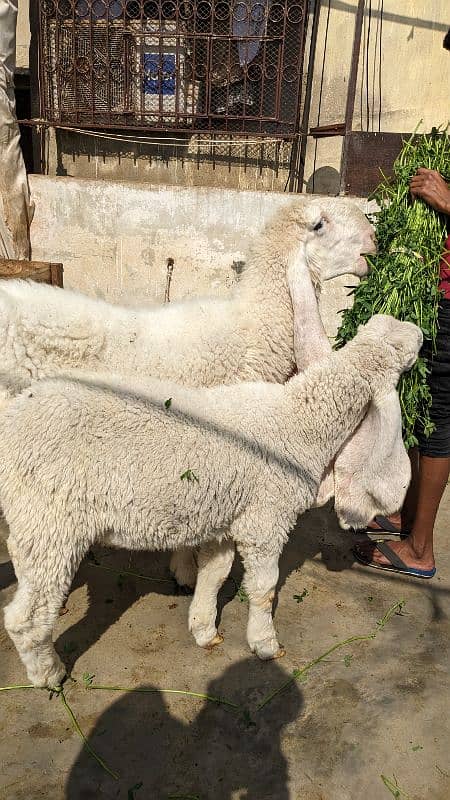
column 383, row 710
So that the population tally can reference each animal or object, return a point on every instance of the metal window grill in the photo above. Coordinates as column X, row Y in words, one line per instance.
column 199, row 65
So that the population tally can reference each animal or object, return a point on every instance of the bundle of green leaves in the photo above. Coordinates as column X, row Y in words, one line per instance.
column 404, row 273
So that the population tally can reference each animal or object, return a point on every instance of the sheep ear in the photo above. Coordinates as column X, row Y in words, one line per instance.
column 372, row 472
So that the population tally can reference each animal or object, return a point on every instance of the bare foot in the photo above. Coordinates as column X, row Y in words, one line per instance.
column 403, row 549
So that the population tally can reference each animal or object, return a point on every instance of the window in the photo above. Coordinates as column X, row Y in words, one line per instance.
column 199, row 65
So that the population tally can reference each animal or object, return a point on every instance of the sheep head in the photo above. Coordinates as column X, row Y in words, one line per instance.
column 336, row 236
column 400, row 341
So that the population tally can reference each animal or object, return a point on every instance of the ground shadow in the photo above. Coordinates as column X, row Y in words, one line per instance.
column 220, row 754
column 317, row 533
column 7, row 575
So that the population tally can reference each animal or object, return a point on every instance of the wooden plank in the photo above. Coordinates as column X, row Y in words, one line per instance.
column 56, row 272
column 366, row 155
column 40, row 271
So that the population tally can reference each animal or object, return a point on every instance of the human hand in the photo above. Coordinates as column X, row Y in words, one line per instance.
column 431, row 187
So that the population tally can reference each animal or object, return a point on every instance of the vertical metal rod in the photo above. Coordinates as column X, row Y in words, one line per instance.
column 299, row 149
column 350, row 106
column 170, row 263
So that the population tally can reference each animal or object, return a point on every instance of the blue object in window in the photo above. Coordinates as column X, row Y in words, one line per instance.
column 159, row 71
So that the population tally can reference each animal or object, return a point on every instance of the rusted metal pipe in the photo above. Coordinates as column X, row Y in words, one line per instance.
column 170, row 265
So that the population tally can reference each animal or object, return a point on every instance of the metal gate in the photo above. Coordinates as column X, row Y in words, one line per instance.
column 194, row 65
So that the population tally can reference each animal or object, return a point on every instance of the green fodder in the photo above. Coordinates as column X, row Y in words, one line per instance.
column 404, row 273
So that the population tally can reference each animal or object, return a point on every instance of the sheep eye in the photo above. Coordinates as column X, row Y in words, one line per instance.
column 318, row 225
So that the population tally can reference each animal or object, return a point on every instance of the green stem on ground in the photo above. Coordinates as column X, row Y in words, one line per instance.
column 10, row 688
column 298, row 674
column 394, row 788
column 218, row 700
column 80, row 733
column 132, row 573
column 183, row 797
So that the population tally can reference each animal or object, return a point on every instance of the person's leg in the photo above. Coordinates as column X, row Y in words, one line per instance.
column 433, row 477
column 408, row 512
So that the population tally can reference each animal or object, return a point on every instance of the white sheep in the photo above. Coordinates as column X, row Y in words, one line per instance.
column 201, row 342
column 375, row 484
column 105, row 462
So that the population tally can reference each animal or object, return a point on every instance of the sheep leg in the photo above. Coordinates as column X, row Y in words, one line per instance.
column 29, row 620
column 215, row 560
column 260, row 580
column 183, row 566
column 45, row 558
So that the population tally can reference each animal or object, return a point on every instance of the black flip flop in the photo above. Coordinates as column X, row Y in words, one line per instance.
column 386, row 526
column 396, row 563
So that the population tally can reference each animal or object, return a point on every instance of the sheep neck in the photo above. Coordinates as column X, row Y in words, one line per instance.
column 327, row 402
column 264, row 290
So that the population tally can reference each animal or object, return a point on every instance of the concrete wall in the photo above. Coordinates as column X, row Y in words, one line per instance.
column 411, row 78
column 192, row 161
column 114, row 238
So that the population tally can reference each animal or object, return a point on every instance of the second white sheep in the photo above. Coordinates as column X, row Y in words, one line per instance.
column 111, row 463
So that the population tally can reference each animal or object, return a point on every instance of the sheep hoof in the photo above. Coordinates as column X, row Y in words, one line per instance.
column 218, row 639
column 48, row 678
column 268, row 649
column 279, row 654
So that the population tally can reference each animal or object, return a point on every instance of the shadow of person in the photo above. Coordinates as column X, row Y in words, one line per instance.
column 221, row 754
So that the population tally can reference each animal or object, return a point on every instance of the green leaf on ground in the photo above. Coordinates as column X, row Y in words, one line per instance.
column 395, row 790
column 88, row 677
